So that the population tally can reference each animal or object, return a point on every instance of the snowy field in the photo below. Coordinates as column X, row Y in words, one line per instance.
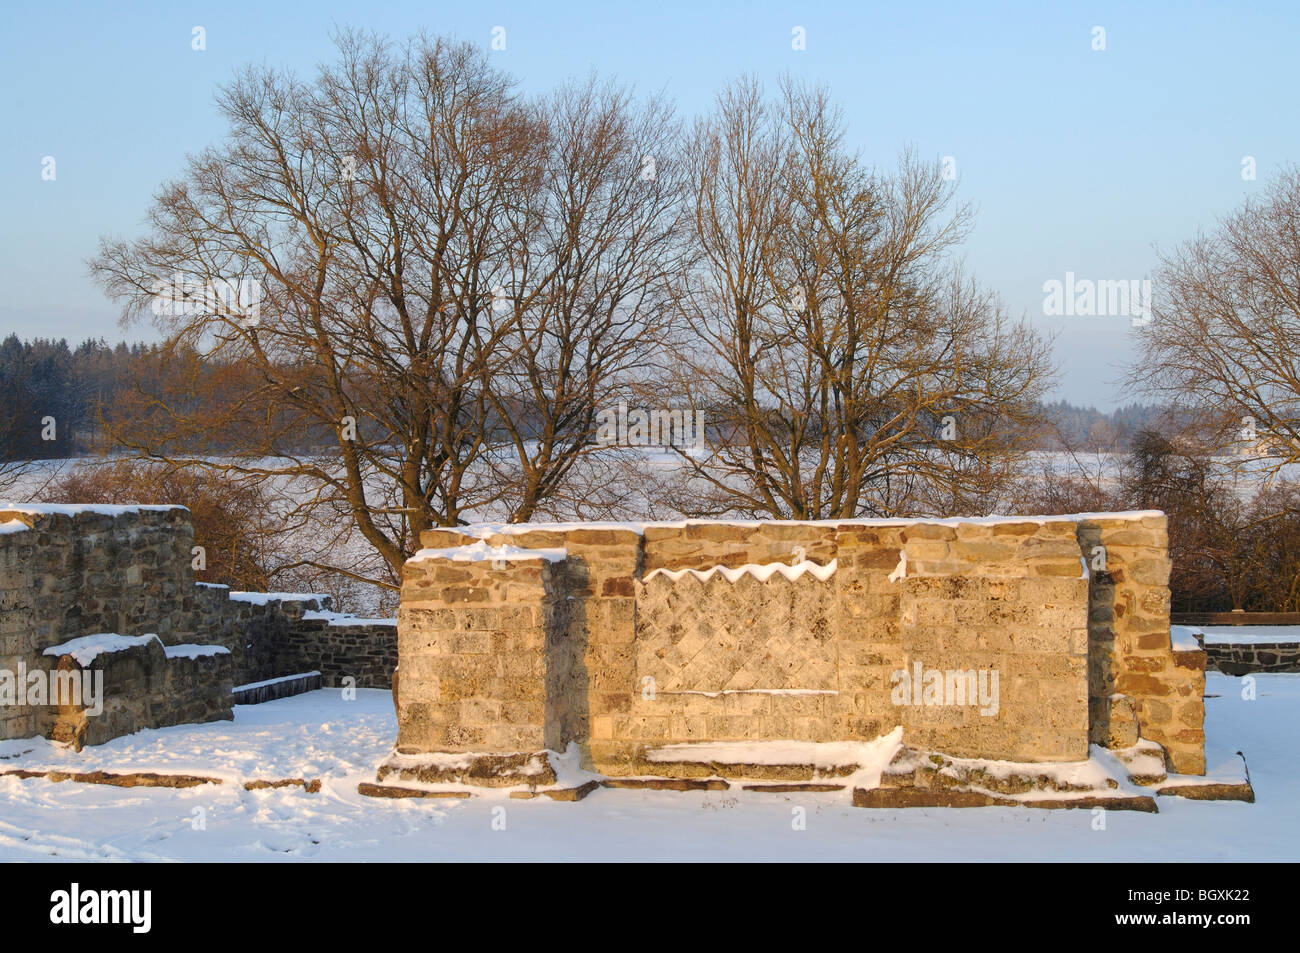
column 321, row 735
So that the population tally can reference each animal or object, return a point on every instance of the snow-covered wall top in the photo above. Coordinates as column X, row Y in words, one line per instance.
column 483, row 530
column 480, row 551
column 74, row 509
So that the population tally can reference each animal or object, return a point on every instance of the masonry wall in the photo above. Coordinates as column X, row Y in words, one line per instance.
column 485, row 662
column 1137, row 683
column 1243, row 658
column 634, row 659
column 89, row 571
column 17, row 635
column 67, row 572
column 144, row 688
column 278, row 634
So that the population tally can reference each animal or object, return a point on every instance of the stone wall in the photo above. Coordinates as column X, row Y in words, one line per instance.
column 98, row 569
column 72, row 571
column 626, row 638
column 1138, row 683
column 340, row 647
column 145, row 686
column 1243, row 658
column 484, row 664
column 272, row 635
column 67, row 572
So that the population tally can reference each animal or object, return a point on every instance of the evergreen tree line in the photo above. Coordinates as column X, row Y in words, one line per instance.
column 52, row 394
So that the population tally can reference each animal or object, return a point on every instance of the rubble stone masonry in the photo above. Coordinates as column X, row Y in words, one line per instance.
column 72, row 571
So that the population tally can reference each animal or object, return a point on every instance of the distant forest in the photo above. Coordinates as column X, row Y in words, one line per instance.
column 1090, row 429
column 80, row 386
column 46, row 380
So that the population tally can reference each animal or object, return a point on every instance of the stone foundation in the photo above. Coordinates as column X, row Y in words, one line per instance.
column 1247, row 655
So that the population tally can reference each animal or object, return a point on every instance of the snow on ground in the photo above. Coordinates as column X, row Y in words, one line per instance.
column 1248, row 634
column 321, row 735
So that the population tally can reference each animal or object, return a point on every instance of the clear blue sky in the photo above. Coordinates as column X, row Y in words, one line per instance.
column 1077, row 160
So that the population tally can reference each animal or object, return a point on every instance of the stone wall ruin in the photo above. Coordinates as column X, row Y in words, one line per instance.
column 635, row 641
column 116, row 574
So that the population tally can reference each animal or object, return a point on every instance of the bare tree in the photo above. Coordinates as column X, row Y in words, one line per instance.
column 452, row 279
column 1224, row 339
column 610, row 241
column 846, row 367
column 12, row 467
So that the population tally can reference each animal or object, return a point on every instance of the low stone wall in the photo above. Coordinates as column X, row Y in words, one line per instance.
column 1243, row 658
column 144, row 686
column 1239, row 643
column 624, row 639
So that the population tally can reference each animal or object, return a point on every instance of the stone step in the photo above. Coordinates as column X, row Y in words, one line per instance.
column 134, row 779
column 900, row 797
column 515, row 769
column 667, row 784
column 370, row 789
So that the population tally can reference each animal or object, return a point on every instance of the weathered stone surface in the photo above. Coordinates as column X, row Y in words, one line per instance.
column 489, row 770
column 396, row 791
column 559, row 794
column 1210, row 791
column 718, row 636
column 1243, row 658
column 901, row 797
column 311, row 787
column 667, row 784
column 1114, row 722
column 730, row 770
column 134, row 779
